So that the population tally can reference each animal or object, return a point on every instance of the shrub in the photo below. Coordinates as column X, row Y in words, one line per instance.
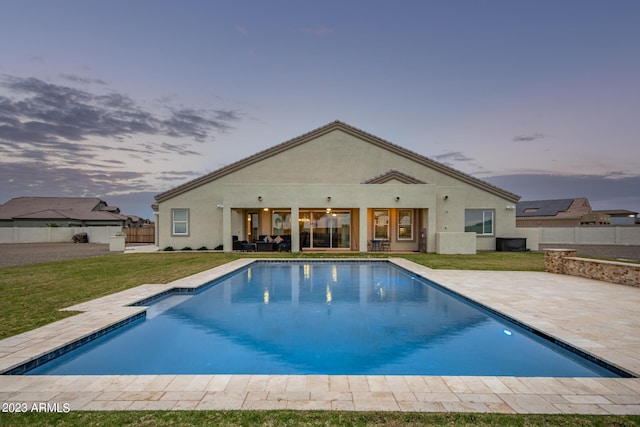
column 186, row 248
column 168, row 248
column 202, row 248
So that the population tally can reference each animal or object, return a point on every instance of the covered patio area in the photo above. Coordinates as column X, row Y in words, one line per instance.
column 334, row 229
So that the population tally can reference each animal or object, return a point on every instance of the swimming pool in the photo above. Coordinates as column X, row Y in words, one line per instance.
column 322, row 318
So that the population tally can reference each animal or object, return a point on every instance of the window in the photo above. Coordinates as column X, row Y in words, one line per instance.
column 180, row 222
column 405, row 224
column 480, row 221
column 281, row 223
column 381, row 224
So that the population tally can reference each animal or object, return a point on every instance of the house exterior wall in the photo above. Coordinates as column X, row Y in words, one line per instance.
column 335, row 165
column 504, row 216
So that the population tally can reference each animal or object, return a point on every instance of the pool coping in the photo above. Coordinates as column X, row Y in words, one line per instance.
column 616, row 341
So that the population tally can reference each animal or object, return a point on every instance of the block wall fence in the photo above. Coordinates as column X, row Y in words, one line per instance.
column 564, row 261
column 55, row 234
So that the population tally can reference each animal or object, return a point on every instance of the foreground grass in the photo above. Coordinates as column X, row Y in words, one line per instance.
column 308, row 418
column 33, row 295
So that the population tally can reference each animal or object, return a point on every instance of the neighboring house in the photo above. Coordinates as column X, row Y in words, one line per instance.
column 558, row 213
column 59, row 212
column 620, row 216
column 337, row 188
column 134, row 221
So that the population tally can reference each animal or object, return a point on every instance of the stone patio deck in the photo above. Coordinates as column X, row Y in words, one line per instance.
column 598, row 317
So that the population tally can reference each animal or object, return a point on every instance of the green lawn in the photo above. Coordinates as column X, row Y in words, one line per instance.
column 33, row 295
column 307, row 418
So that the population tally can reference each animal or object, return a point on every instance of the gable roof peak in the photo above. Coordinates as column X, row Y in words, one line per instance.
column 323, row 130
column 394, row 174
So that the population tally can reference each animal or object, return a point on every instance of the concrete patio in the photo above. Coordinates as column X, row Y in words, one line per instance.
column 598, row 317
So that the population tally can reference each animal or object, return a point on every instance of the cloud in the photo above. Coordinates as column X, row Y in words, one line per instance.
column 63, row 139
column 48, row 112
column 528, row 138
column 242, row 30
column 452, row 156
column 77, row 79
column 181, row 149
column 197, row 124
column 619, row 175
column 41, row 120
column 39, row 178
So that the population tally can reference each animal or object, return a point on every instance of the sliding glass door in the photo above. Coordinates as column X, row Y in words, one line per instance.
column 325, row 229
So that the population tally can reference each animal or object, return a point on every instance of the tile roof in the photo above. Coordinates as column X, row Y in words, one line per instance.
column 306, row 137
column 394, row 175
column 76, row 208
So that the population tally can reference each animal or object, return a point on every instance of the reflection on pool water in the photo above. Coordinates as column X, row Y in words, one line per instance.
column 322, row 318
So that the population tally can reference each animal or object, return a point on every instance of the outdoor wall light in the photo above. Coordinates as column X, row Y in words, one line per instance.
column 397, row 198
column 446, row 197
column 260, row 198
column 328, row 198
column 219, row 206
column 510, row 207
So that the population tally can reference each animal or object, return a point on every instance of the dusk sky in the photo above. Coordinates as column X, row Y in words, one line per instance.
column 125, row 99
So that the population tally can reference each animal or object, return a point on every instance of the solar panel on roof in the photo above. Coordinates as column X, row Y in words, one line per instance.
column 542, row 207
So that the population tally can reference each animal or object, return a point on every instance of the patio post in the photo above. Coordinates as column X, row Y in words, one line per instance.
column 363, row 237
column 295, row 229
column 227, row 240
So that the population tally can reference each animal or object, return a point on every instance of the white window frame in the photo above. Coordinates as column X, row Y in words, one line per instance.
column 487, row 214
column 410, row 225
column 175, row 222
column 385, row 212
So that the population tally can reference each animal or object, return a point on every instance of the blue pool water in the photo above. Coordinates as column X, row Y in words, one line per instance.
column 322, row 318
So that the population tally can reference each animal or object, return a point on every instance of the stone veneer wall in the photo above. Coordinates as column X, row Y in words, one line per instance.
column 564, row 261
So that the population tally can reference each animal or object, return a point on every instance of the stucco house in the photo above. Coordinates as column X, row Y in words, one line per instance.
column 620, row 216
column 337, row 188
column 558, row 213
